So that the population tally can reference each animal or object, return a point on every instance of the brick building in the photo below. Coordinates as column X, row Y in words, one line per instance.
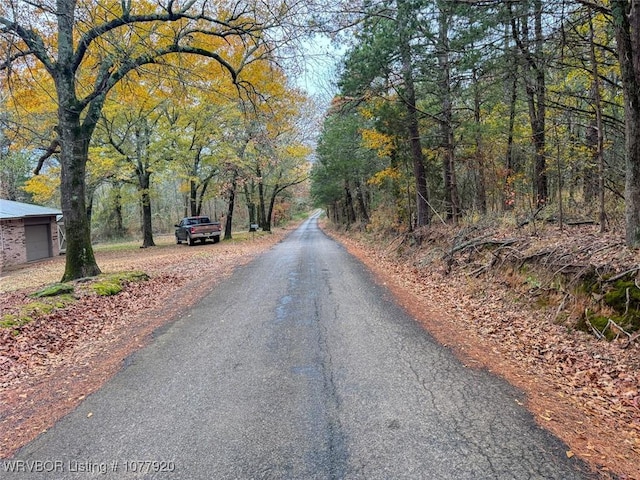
column 27, row 232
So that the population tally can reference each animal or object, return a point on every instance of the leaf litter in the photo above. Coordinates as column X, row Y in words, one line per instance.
column 583, row 390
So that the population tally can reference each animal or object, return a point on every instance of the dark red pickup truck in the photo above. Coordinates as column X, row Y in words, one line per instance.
column 200, row 228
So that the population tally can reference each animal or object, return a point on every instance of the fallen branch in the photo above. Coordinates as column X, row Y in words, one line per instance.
column 575, row 223
column 531, row 218
column 618, row 331
column 560, row 307
column 572, row 223
column 623, row 274
column 481, row 242
column 595, row 331
column 632, row 338
column 475, row 244
column 396, row 243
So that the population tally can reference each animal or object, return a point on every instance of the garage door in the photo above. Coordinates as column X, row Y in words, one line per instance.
column 38, row 241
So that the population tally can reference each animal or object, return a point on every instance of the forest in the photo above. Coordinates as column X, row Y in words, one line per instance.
column 129, row 115
column 482, row 158
column 455, row 110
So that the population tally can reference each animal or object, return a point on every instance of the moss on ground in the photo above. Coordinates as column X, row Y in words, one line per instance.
column 53, row 290
column 32, row 310
column 114, row 283
column 60, row 295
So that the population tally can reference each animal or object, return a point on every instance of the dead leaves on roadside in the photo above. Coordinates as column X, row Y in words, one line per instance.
column 43, row 341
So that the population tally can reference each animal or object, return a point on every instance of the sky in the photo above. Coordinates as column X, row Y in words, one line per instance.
column 319, row 75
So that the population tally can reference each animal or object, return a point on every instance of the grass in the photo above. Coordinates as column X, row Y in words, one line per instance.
column 126, row 245
column 116, row 254
column 238, row 237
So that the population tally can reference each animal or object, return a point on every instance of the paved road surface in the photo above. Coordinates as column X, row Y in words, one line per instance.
column 297, row 367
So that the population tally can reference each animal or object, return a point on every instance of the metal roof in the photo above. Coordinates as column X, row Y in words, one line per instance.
column 10, row 209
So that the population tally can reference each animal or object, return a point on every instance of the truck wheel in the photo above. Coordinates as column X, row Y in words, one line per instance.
column 190, row 241
column 216, row 239
column 178, row 241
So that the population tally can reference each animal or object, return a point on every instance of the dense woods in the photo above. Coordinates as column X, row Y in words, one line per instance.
column 455, row 109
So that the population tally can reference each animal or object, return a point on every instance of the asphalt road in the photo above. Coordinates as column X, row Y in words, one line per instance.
column 297, row 367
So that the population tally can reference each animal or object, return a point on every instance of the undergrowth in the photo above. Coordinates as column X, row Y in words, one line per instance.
column 588, row 281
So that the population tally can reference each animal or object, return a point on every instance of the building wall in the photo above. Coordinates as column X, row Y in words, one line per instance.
column 13, row 242
column 55, row 245
column 14, row 250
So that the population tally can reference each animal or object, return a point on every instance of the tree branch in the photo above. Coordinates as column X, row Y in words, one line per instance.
column 595, row 6
column 33, row 41
column 229, row 26
column 53, row 148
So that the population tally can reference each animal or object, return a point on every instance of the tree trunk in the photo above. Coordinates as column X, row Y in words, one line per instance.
column 272, row 202
column 541, row 111
column 90, row 197
column 74, row 137
column 626, row 20
column 74, row 145
column 362, row 207
column 413, row 128
column 232, row 200
column 264, row 217
column 193, row 198
column 145, row 199
column 117, row 211
column 251, row 205
column 509, row 192
column 536, row 94
column 589, row 169
column 350, row 210
column 203, row 190
column 599, row 126
column 478, row 168
column 452, row 203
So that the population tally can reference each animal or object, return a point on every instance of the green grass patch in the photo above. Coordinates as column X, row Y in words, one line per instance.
column 62, row 301
column 11, row 320
column 106, row 288
column 117, row 246
column 238, row 237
